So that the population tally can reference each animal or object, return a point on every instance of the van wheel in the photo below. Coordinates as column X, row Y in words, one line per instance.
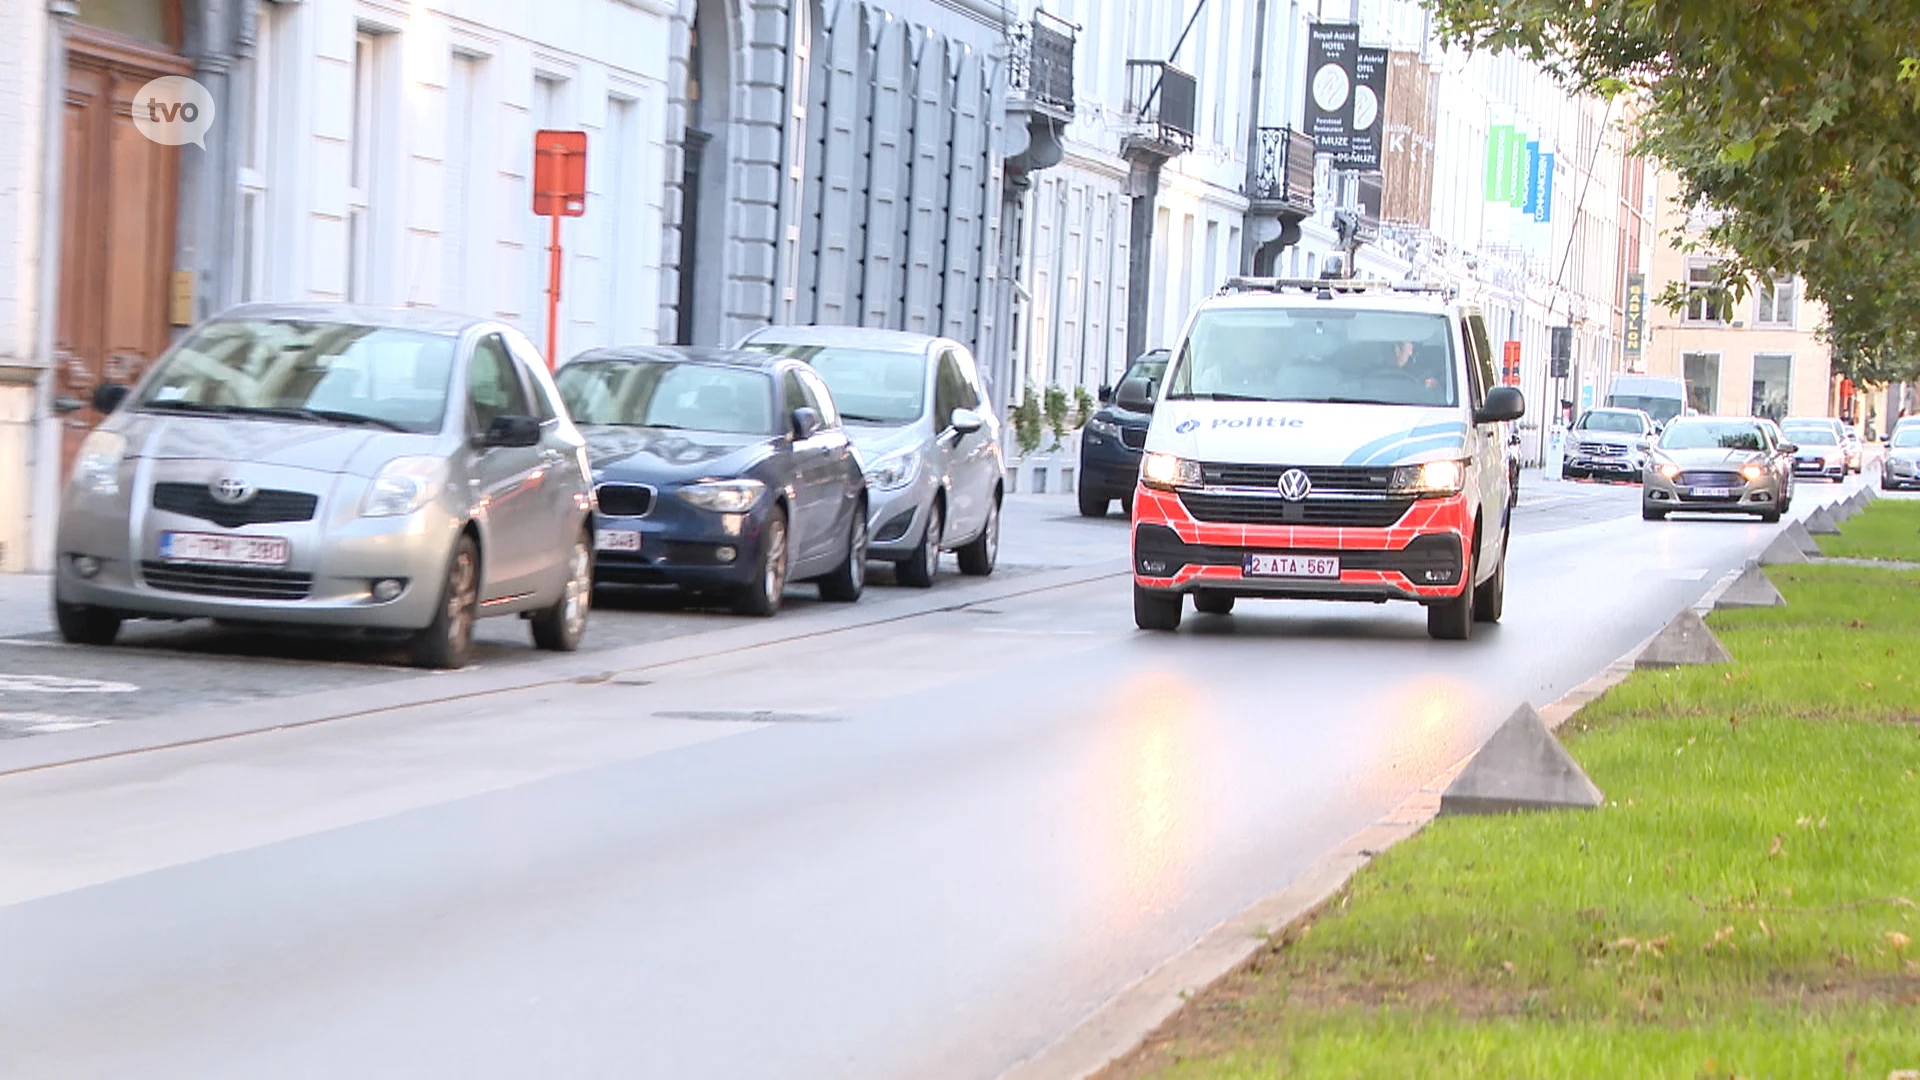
column 1213, row 603
column 447, row 641
column 83, row 625
column 560, row 627
column 1452, row 620
column 1093, row 504
column 1490, row 599
column 1156, row 610
column 977, row 559
column 916, row 571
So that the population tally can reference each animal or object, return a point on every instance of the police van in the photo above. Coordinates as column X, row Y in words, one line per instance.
column 1325, row 440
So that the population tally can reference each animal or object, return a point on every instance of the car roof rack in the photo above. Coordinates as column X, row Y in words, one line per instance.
column 1326, row 287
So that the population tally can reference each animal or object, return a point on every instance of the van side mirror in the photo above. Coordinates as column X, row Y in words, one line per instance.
column 1503, row 404
column 1135, row 395
column 108, row 396
column 965, row 422
column 806, row 422
column 511, row 430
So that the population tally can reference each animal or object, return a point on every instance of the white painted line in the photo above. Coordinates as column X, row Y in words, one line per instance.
column 24, row 643
column 28, row 723
column 60, row 684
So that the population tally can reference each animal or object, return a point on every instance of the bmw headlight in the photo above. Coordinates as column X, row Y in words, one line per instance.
column 403, row 485
column 1430, row 479
column 724, row 496
column 1168, row 471
column 894, row 470
column 1103, row 427
column 96, row 469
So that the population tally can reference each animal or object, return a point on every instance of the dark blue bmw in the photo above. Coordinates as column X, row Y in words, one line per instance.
column 1111, row 441
column 720, row 472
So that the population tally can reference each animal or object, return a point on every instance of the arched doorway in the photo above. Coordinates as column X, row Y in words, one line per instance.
column 119, row 204
column 704, row 179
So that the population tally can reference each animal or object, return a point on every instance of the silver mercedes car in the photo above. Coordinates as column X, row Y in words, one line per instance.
column 322, row 465
column 926, row 436
column 1718, row 465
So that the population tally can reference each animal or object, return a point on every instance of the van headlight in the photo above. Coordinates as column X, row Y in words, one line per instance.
column 96, row 468
column 1168, row 471
column 1433, row 478
column 894, row 470
column 402, row 486
column 724, row 496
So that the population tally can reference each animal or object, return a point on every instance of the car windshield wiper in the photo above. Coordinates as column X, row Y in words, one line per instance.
column 863, row 419
column 1218, row 396
column 188, row 407
column 330, row 416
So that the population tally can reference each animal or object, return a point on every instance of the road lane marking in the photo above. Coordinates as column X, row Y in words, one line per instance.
column 27, row 723
column 60, row 684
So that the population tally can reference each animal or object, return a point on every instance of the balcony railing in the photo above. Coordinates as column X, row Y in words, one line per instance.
column 1284, row 172
column 1040, row 63
column 1160, row 102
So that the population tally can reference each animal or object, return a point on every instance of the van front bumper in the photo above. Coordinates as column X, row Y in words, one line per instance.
column 1422, row 557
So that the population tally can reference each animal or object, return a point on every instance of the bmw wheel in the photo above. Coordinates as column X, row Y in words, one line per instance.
column 769, row 586
column 849, row 579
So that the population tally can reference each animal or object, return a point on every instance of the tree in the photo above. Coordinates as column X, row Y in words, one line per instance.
column 1797, row 120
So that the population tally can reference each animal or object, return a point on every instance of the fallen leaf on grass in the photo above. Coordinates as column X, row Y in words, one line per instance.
column 1765, row 929
column 1507, row 966
column 1904, row 1074
column 1898, row 941
column 1779, row 845
column 1720, row 938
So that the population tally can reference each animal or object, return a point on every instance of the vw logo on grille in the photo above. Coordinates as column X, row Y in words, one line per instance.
column 230, row 491
column 1295, row 484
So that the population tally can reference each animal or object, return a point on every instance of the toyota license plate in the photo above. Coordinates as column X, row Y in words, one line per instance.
column 616, row 540
column 1710, row 493
column 1300, row 566
column 189, row 547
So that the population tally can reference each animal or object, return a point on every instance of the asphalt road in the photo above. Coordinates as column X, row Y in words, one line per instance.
column 925, row 846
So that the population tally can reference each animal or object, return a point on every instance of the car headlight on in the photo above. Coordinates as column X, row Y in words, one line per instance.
column 894, row 470
column 1104, row 428
column 1668, row 469
column 724, row 496
column 96, row 468
column 403, row 485
column 1431, row 478
column 1168, row 471
column 1753, row 472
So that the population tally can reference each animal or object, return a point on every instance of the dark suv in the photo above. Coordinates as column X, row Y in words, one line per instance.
column 1110, row 442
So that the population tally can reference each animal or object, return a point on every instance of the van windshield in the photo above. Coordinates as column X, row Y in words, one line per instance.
column 1662, row 409
column 1313, row 355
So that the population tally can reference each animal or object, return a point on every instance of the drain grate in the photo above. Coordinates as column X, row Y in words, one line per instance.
column 748, row 716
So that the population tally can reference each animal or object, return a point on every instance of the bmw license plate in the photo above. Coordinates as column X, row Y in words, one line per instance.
column 1300, row 566
column 1710, row 492
column 616, row 540
column 229, row 550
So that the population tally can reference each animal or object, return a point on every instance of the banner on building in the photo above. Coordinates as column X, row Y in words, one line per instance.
column 1406, row 149
column 1497, row 162
column 1517, row 169
column 1530, row 202
column 1636, row 316
column 1543, row 201
column 1369, row 110
column 1332, row 52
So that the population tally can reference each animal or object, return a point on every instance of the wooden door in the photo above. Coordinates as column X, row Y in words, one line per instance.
column 120, row 197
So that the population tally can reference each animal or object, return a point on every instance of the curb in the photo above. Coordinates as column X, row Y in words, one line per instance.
column 195, row 726
column 1131, row 1016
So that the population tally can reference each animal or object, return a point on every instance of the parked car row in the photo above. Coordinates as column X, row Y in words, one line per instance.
column 408, row 472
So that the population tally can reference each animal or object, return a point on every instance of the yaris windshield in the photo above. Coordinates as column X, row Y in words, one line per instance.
column 1312, row 355
column 650, row 393
column 321, row 372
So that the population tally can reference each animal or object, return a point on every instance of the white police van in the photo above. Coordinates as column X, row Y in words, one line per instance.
column 1331, row 440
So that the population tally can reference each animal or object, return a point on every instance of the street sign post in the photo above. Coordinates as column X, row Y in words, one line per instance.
column 559, row 190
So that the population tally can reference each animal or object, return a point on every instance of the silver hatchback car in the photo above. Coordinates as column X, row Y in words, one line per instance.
column 927, row 439
column 332, row 466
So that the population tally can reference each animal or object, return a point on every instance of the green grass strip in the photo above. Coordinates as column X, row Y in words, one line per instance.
column 1889, row 529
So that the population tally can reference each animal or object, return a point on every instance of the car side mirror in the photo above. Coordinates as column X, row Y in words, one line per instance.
column 1135, row 395
column 1504, row 403
column 108, row 396
column 1789, row 448
column 510, row 430
column 1106, row 395
column 806, row 422
column 965, row 421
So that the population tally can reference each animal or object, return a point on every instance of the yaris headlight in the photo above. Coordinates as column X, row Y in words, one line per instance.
column 403, row 485
column 96, row 468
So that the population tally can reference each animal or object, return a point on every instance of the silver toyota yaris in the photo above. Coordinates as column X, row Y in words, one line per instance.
column 333, row 466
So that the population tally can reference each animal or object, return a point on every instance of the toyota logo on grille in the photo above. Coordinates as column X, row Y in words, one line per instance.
column 1294, row 485
column 230, row 491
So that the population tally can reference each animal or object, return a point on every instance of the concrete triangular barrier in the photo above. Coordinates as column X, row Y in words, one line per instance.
column 1686, row 641
column 1842, row 510
column 1799, row 537
column 1782, row 552
column 1821, row 523
column 1862, row 498
column 1868, row 495
column 1751, row 589
column 1522, row 767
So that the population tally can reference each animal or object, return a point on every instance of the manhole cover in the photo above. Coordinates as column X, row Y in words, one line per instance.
column 748, row 716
